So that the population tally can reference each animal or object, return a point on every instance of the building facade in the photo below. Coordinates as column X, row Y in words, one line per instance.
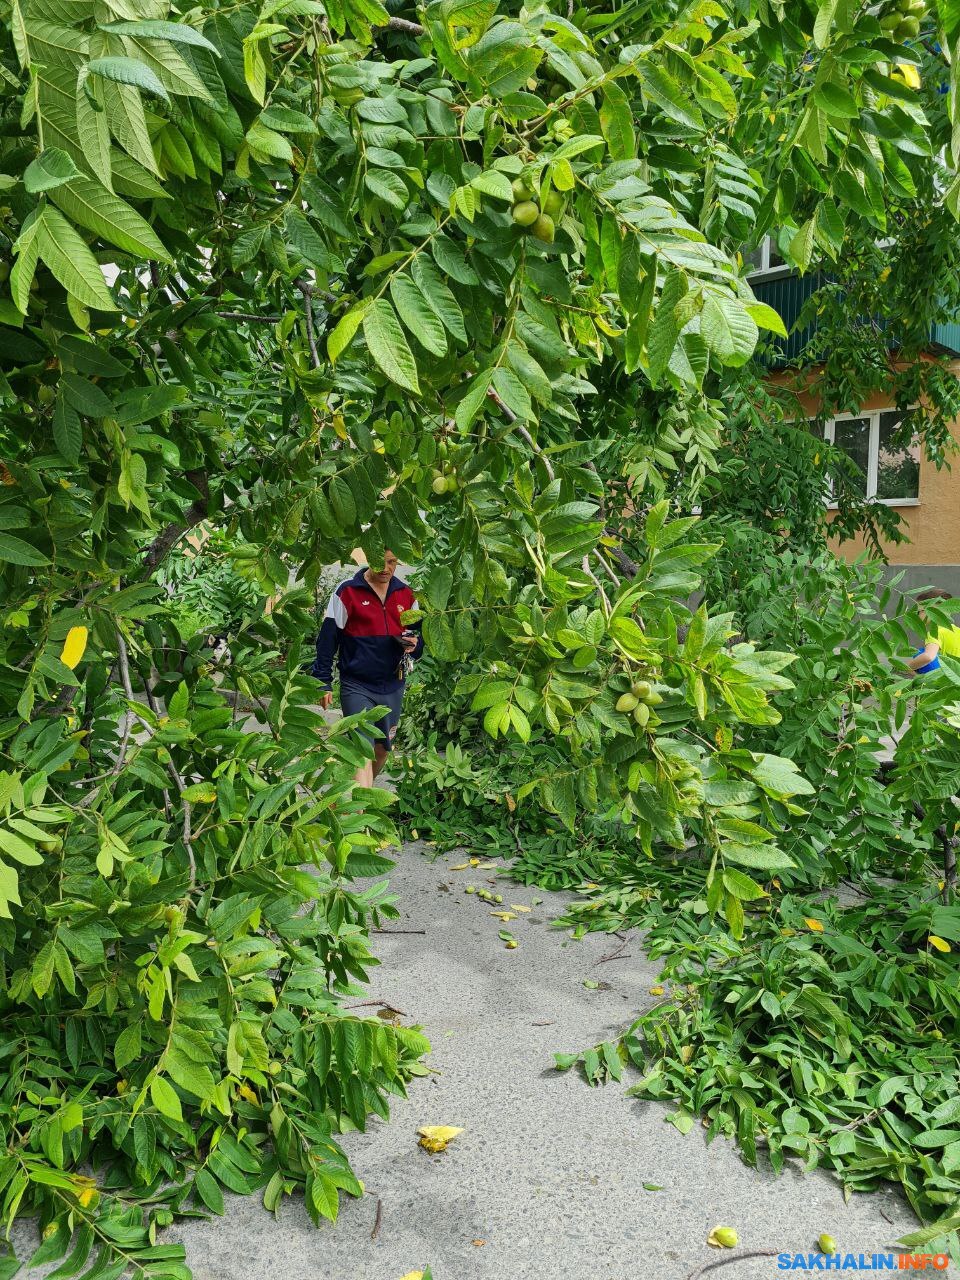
column 926, row 498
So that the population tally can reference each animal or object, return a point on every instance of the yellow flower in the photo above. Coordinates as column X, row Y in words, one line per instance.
column 939, row 943
column 74, row 646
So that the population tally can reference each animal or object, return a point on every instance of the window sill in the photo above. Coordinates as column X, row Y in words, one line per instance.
column 769, row 274
column 884, row 502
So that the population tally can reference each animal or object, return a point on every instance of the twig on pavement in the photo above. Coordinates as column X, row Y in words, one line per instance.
column 733, row 1257
column 377, row 1220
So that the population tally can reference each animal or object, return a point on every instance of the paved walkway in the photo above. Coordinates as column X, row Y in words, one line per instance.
column 545, row 1183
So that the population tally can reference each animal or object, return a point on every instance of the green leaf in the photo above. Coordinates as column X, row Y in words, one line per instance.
column 762, row 857
column 493, row 183
column 388, row 187
column 85, row 396
column 802, row 244
column 93, row 132
column 51, row 168
column 155, row 29
column 836, row 101
column 87, row 202
column 728, row 328
column 67, row 431
column 286, row 120
column 439, row 296
column 417, row 315
column 268, row 143
column 68, row 257
column 208, row 1189
column 165, row 1098
column 127, row 1047
column 765, row 317
column 344, row 331
column 130, row 72
column 388, row 346
column 616, row 120
column 15, row 551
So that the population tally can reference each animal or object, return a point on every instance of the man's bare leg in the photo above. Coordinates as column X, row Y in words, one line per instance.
column 364, row 775
column 379, row 758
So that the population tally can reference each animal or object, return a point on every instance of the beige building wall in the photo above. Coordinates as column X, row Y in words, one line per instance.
column 932, row 524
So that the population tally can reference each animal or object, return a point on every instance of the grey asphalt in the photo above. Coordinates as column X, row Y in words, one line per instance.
column 546, row 1181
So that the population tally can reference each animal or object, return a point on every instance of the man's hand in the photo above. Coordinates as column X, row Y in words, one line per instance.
column 409, row 641
column 326, row 700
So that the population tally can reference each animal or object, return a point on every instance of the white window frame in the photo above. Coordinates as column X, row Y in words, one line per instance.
column 873, row 455
column 765, row 271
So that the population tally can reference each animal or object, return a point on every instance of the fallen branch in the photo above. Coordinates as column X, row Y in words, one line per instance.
column 398, row 931
column 377, row 1220
column 733, row 1257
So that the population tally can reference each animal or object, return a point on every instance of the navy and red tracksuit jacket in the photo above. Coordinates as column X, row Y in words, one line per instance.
column 366, row 631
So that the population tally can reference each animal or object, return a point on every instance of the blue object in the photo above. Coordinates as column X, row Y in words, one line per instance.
column 931, row 666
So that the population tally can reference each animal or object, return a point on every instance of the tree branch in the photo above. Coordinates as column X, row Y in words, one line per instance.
column 307, row 290
column 401, row 24
column 164, row 542
column 124, row 664
column 248, row 315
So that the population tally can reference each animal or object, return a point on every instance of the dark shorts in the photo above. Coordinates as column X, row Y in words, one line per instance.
column 356, row 697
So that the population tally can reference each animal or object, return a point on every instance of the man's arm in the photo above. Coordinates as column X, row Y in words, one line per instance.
column 328, row 641
column 926, row 655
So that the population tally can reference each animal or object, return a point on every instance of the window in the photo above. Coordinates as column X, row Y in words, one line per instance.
column 767, row 259
column 889, row 466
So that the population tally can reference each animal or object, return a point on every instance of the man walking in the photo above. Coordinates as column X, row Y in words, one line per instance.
column 363, row 625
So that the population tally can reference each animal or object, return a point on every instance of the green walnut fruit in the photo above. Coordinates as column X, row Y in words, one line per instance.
column 627, row 702
column 641, row 689
column 526, row 213
column 498, row 897
column 521, row 192
column 553, row 205
column 654, row 699
column 827, row 1244
column 908, row 29
column 890, row 21
column 440, row 485
column 641, row 714
column 51, row 846
column 471, row 888
column 726, row 1236
column 544, row 228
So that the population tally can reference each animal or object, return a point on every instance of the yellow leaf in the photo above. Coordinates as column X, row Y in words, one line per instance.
column 515, row 906
column 656, row 991
column 510, row 802
column 815, row 925
column 504, row 915
column 910, row 76
column 461, row 866
column 86, row 1196
column 246, row 1092
column 939, row 943
column 74, row 646
column 339, row 426
column 474, row 862
column 413, row 1275
column 434, row 1137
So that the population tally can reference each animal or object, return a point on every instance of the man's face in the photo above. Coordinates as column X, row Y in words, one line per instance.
column 387, row 571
